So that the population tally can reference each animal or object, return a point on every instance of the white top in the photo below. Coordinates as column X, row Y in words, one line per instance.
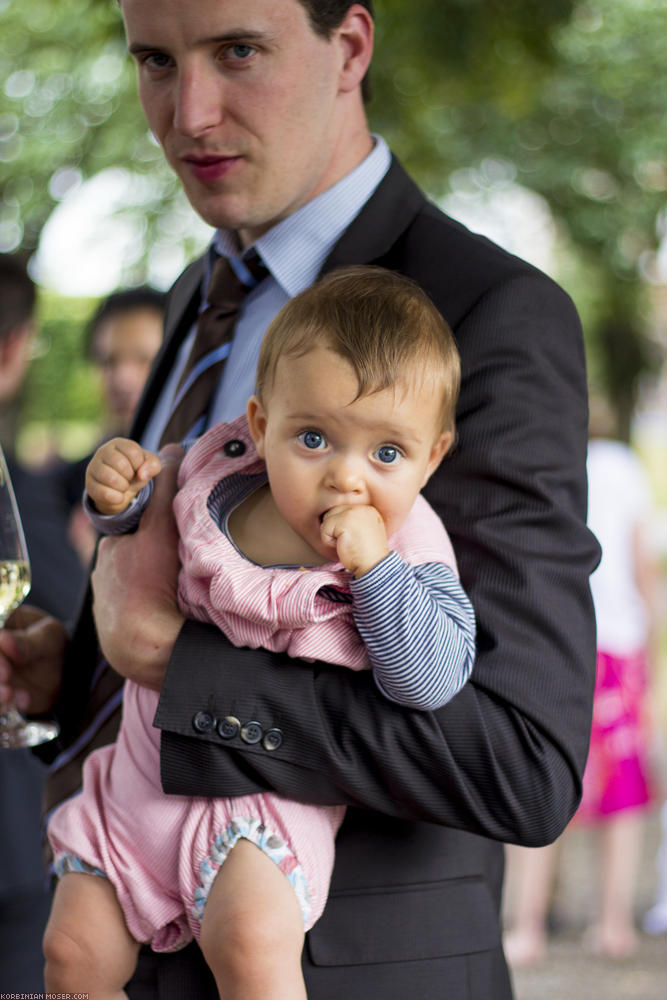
column 619, row 500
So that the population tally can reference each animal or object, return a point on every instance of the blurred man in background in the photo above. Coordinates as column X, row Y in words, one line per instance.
column 57, row 581
column 123, row 337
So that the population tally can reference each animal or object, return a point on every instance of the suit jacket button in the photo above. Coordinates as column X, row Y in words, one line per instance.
column 229, row 727
column 234, row 449
column 251, row 732
column 273, row 738
column 203, row 722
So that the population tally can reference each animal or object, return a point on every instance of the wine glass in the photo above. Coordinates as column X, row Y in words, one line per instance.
column 15, row 731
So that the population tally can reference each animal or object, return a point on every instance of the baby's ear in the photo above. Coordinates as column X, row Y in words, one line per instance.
column 440, row 448
column 257, row 423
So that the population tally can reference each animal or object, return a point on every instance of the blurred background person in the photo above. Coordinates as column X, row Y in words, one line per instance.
column 57, row 583
column 122, row 338
column 57, row 579
column 617, row 782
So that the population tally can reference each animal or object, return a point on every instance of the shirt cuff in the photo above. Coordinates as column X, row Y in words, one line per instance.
column 123, row 523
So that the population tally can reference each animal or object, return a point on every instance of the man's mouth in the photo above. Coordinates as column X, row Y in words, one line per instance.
column 210, row 167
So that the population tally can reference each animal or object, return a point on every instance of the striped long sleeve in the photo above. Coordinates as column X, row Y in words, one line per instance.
column 419, row 629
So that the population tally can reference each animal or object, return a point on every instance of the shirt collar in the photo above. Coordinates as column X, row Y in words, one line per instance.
column 295, row 249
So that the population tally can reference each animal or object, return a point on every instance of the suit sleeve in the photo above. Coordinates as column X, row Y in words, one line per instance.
column 505, row 757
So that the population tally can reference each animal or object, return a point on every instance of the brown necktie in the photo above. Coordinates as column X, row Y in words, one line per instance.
column 210, row 348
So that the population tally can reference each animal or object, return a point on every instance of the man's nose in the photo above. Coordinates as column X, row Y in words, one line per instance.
column 198, row 101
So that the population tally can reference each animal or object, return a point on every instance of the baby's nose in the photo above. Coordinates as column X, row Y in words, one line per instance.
column 345, row 476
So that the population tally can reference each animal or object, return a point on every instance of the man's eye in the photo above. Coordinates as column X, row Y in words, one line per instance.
column 157, row 60
column 388, row 454
column 239, row 51
column 312, row 439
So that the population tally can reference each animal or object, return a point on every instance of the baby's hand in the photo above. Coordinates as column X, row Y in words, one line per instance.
column 118, row 470
column 359, row 536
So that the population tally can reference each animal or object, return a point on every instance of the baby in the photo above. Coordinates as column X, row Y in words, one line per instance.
column 302, row 529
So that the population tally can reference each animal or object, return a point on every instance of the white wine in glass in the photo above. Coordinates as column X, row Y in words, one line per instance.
column 15, row 731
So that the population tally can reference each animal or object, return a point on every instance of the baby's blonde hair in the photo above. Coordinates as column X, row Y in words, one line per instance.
column 379, row 321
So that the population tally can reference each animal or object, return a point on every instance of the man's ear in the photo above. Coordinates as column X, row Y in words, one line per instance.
column 355, row 37
column 442, row 445
column 257, row 423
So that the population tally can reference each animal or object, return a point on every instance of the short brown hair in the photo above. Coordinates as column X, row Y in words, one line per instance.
column 327, row 15
column 379, row 321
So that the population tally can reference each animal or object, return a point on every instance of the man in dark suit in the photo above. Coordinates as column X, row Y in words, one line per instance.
column 258, row 107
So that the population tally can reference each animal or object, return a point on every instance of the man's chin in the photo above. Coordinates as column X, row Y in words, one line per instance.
column 232, row 212
column 217, row 209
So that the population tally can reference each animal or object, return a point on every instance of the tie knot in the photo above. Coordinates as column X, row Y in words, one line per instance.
column 226, row 290
column 255, row 266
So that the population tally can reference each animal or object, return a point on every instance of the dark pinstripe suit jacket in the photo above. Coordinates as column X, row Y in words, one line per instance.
column 416, row 888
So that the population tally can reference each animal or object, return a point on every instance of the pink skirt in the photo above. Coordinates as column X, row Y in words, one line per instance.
column 617, row 771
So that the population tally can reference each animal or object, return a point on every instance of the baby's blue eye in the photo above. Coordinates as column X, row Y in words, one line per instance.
column 312, row 439
column 387, row 454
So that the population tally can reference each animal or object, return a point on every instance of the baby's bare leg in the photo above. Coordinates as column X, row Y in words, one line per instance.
column 86, row 944
column 252, row 930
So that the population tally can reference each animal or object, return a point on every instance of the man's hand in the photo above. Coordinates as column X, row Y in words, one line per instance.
column 118, row 470
column 135, row 585
column 32, row 652
column 359, row 536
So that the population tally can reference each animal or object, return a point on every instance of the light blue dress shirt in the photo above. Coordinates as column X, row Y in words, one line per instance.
column 294, row 251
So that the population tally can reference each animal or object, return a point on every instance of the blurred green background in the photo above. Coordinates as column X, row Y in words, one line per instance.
column 541, row 124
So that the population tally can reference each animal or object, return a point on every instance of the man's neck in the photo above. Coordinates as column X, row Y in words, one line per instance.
column 347, row 156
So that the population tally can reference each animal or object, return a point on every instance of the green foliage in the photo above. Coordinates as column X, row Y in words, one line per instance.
column 60, row 402
column 69, row 110
column 444, row 71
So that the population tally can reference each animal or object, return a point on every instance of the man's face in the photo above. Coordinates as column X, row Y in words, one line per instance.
column 250, row 105
column 125, row 345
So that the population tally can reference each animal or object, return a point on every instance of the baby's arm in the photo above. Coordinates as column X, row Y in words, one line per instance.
column 419, row 630
column 417, row 623
column 117, row 472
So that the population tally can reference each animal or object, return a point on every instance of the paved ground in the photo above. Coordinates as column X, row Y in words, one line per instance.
column 569, row 972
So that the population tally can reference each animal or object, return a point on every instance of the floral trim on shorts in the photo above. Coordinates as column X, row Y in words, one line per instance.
column 273, row 845
column 67, row 863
